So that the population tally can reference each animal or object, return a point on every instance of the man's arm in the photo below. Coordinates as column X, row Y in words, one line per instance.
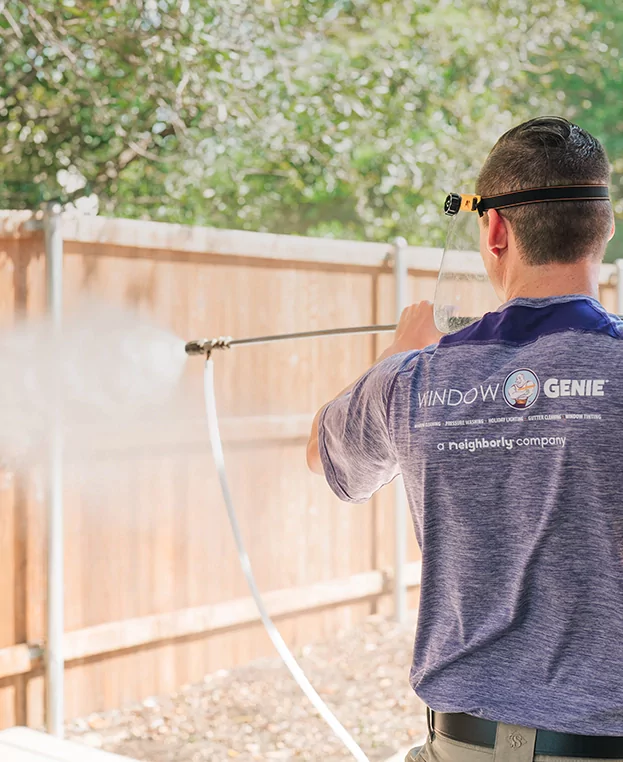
column 416, row 330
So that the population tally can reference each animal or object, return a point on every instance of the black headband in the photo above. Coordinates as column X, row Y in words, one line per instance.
column 456, row 202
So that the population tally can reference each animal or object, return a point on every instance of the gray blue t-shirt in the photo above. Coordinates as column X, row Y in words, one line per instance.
column 509, row 438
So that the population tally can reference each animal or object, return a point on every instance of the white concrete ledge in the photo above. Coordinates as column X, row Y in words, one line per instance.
column 26, row 745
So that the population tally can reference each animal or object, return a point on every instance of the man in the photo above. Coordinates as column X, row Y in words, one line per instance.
column 519, row 643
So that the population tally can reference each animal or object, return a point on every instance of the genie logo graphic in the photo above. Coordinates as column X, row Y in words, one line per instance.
column 521, row 388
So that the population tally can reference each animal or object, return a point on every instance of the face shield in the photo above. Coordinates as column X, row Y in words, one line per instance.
column 464, row 292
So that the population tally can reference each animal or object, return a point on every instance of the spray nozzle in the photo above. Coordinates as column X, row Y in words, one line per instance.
column 205, row 346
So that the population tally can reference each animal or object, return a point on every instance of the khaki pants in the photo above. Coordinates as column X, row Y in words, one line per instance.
column 512, row 744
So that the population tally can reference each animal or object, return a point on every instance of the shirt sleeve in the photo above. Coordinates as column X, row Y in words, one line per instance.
column 354, row 440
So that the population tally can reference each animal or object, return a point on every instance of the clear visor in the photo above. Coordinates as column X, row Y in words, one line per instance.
column 464, row 292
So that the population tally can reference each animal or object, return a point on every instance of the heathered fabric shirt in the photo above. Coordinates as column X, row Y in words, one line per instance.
column 509, row 437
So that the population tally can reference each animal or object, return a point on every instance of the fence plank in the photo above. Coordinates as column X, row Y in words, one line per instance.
column 15, row 660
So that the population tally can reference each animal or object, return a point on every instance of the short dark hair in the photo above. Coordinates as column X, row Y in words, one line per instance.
column 548, row 151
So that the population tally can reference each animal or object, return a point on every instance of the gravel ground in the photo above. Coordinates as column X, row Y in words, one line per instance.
column 257, row 712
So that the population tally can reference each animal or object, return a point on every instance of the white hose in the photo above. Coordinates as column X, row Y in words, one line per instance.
column 279, row 643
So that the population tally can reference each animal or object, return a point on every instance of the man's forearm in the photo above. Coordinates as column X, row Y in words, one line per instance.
column 416, row 329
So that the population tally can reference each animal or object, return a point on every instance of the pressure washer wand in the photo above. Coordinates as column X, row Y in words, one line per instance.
column 205, row 346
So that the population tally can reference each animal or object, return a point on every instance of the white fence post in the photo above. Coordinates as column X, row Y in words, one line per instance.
column 401, row 284
column 54, row 660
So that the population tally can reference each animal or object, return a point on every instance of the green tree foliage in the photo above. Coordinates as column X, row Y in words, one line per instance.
column 589, row 76
column 349, row 118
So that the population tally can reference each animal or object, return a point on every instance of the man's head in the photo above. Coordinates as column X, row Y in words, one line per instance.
column 547, row 151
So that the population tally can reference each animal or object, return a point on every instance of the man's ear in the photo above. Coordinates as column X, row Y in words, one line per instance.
column 497, row 239
column 612, row 229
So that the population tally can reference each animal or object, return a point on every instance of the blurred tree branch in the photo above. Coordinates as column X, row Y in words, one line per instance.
column 114, row 167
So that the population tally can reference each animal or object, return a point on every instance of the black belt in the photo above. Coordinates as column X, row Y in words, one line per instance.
column 479, row 732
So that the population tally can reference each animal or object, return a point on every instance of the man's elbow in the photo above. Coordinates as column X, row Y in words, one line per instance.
column 314, row 463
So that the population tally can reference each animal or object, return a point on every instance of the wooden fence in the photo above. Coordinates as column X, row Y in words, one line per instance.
column 154, row 595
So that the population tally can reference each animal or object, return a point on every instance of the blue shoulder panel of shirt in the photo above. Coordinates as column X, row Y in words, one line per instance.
column 523, row 323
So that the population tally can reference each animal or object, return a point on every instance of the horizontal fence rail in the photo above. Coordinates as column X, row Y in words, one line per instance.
column 111, row 637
